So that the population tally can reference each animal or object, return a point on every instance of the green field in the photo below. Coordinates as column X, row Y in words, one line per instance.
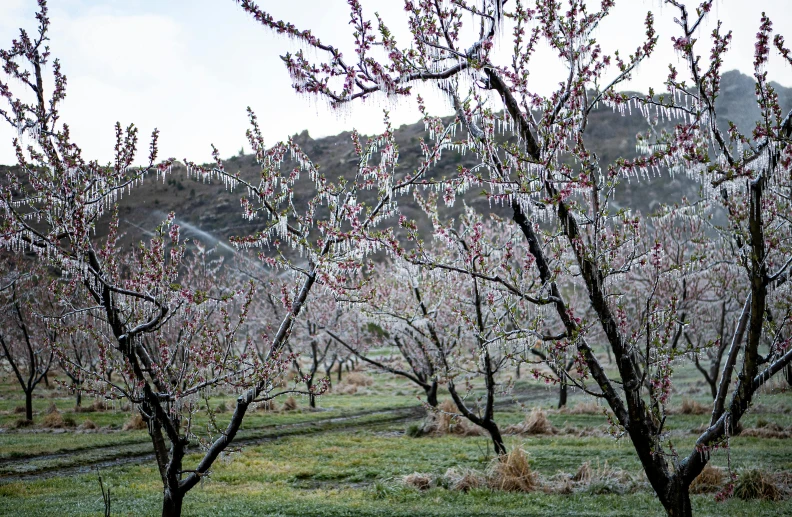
column 350, row 457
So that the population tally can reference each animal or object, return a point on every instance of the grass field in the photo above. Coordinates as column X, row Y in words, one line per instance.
column 351, row 456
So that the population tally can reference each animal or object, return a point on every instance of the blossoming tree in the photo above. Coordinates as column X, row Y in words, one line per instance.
column 161, row 316
column 546, row 172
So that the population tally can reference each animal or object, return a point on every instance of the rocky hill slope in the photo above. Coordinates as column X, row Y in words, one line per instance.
column 211, row 213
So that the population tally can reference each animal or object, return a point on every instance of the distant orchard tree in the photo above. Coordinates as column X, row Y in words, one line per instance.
column 27, row 337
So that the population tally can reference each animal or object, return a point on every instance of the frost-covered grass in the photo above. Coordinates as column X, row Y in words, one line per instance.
column 343, row 473
column 358, row 471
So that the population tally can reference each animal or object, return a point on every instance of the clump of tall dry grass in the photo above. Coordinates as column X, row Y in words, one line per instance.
column 88, row 425
column 463, row 480
column 766, row 429
column 693, row 407
column 756, row 484
column 419, row 480
column 290, row 404
column 603, row 479
column 53, row 420
column 710, row 480
column 268, row 406
column 512, row 473
column 135, row 423
column 445, row 420
column 536, row 422
column 346, row 389
column 358, row 379
column 588, row 407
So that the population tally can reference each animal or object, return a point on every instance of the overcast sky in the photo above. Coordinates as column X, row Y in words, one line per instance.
column 191, row 67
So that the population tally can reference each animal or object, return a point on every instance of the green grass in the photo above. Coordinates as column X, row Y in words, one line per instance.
column 323, row 471
column 356, row 474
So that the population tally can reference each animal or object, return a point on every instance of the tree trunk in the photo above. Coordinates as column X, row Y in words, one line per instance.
column 431, row 394
column 29, row 404
column 171, row 503
column 497, row 439
column 788, row 374
column 518, row 370
column 340, row 370
column 311, row 396
column 79, row 398
column 678, row 502
column 714, row 388
column 562, row 393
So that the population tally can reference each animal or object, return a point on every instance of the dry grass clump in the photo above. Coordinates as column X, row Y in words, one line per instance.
column 346, row 389
column 53, row 420
column 560, row 483
column 512, row 473
column 765, row 429
column 756, row 484
column 582, row 432
column 693, row 407
column 446, row 421
column 135, row 423
column 268, row 405
column 20, row 423
column 290, row 404
column 97, row 405
column 764, row 432
column 535, row 422
column 588, row 407
column 603, row 479
column 710, row 480
column 418, row 480
column 464, row 479
column 19, row 409
column 88, row 424
column 358, row 379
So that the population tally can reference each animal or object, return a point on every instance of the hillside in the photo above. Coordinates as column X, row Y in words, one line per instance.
column 209, row 212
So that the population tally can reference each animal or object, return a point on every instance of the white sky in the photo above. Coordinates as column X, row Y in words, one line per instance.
column 191, row 67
